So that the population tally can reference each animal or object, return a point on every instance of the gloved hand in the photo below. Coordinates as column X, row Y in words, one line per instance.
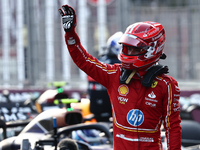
column 68, row 18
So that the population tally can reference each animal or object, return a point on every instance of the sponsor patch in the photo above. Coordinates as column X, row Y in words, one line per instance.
column 154, row 84
column 149, row 99
column 135, row 117
column 146, row 139
column 122, row 100
column 150, row 104
column 123, row 90
column 71, row 41
column 152, row 95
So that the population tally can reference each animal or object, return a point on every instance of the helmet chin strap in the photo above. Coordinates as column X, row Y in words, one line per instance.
column 126, row 76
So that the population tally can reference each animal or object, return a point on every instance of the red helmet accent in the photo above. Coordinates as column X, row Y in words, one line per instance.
column 149, row 37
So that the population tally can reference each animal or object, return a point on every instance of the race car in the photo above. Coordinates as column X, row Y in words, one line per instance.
column 42, row 133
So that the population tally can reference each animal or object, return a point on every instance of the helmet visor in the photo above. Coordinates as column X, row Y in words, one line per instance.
column 132, row 40
column 133, row 51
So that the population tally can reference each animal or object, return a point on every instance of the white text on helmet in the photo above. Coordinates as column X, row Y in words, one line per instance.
column 157, row 29
column 157, row 37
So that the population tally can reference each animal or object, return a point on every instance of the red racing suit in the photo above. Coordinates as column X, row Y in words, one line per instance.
column 138, row 111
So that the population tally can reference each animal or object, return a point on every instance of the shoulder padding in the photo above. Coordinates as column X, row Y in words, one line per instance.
column 152, row 73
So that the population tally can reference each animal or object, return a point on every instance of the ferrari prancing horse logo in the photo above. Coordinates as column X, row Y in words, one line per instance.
column 154, row 84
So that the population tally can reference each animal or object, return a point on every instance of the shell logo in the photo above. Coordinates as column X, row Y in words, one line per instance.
column 123, row 90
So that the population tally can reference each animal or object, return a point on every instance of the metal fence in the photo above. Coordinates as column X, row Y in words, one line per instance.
column 33, row 52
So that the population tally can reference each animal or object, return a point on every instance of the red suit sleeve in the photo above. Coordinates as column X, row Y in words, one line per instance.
column 171, row 115
column 99, row 71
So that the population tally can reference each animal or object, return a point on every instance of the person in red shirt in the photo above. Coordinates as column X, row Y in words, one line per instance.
column 99, row 99
column 143, row 97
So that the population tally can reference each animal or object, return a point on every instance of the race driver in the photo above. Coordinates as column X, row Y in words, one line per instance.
column 142, row 95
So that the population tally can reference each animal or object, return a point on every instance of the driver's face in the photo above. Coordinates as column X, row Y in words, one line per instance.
column 134, row 50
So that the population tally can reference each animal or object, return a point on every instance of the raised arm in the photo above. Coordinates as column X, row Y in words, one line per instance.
column 99, row 71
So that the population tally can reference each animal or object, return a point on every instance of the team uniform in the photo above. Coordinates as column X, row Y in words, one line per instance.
column 138, row 111
column 99, row 99
column 142, row 96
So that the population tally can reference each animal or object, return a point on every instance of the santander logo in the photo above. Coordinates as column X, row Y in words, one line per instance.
column 152, row 95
